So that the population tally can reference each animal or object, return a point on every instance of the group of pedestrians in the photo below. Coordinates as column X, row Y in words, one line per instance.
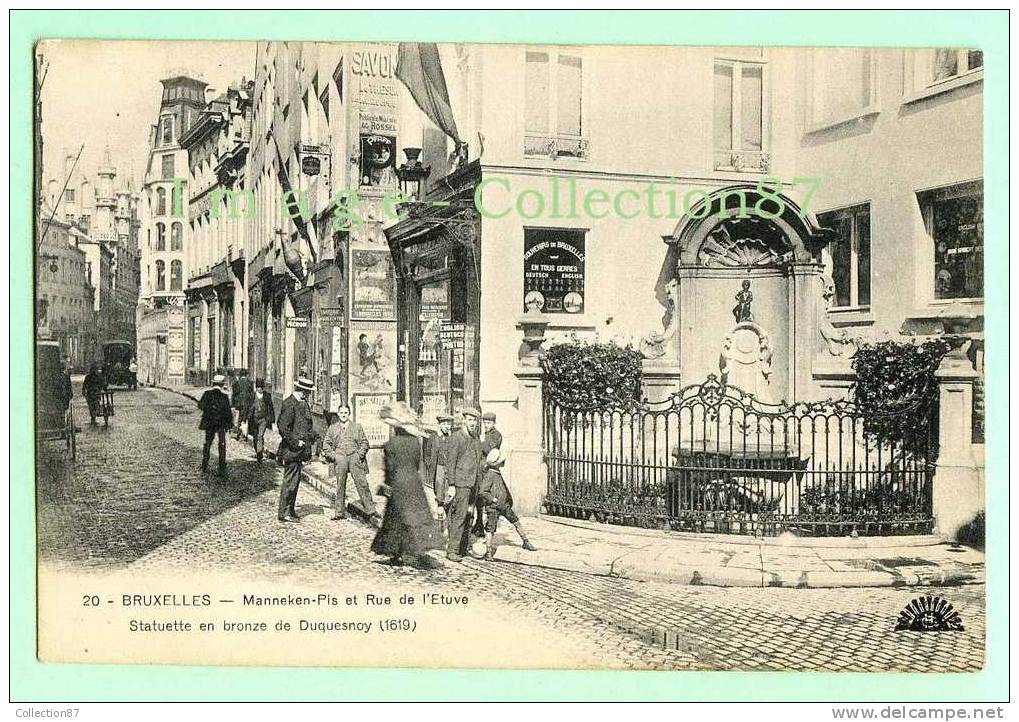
column 463, row 464
column 225, row 409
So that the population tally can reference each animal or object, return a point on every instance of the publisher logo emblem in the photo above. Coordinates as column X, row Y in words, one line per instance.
column 929, row 614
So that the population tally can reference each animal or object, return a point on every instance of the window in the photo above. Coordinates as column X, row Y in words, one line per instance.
column 952, row 62
column 160, row 276
column 69, row 195
column 954, row 218
column 177, row 236
column 553, row 104
column 848, row 255
column 166, row 130
column 740, row 119
column 160, row 201
column 167, row 166
column 936, row 70
column 176, row 276
column 160, row 237
column 842, row 85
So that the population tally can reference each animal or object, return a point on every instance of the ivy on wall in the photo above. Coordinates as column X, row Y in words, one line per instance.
column 592, row 376
column 896, row 389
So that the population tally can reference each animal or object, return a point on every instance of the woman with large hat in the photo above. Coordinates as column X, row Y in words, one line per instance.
column 408, row 530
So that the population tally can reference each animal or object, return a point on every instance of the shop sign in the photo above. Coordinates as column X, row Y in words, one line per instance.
column 433, row 405
column 331, row 316
column 297, row 322
column 435, row 301
column 451, row 335
column 554, row 270
column 366, row 413
column 311, row 165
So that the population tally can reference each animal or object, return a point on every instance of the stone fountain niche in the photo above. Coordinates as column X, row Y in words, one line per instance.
column 750, row 297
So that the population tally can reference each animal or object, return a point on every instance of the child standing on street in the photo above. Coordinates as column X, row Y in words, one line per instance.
column 494, row 496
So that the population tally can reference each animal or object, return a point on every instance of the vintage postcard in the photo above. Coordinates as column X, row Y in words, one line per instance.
column 501, row 356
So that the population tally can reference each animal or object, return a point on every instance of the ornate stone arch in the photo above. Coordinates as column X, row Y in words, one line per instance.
column 724, row 230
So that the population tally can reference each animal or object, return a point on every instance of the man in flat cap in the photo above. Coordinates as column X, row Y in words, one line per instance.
column 491, row 438
column 463, row 471
column 295, row 428
column 217, row 419
column 435, row 462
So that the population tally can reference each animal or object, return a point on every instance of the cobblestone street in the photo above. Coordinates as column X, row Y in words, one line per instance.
column 136, row 500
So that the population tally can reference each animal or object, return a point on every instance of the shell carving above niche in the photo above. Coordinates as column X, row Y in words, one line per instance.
column 744, row 243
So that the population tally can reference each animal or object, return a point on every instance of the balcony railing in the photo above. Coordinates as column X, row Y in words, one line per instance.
column 743, row 161
column 555, row 146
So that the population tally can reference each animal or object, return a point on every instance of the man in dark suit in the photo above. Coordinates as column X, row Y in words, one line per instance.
column 217, row 419
column 261, row 416
column 297, row 436
column 241, row 401
column 463, row 468
column 346, row 446
column 435, row 462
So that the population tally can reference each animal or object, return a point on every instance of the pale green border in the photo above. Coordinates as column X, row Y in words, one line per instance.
column 34, row 681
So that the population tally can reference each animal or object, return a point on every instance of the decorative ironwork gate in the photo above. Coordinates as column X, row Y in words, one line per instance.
column 715, row 459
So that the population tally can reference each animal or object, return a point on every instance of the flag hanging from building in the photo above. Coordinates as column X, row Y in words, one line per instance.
column 292, row 202
column 420, row 69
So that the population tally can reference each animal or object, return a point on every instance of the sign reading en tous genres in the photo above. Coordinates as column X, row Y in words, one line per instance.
column 554, row 270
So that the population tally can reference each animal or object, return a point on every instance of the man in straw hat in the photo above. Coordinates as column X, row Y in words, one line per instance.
column 494, row 496
column 217, row 419
column 463, row 470
column 295, row 428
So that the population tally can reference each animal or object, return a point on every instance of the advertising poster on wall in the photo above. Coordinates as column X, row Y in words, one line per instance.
column 554, row 262
column 372, row 358
column 373, row 285
column 366, row 413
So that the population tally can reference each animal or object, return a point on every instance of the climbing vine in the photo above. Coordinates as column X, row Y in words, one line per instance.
column 896, row 389
column 592, row 376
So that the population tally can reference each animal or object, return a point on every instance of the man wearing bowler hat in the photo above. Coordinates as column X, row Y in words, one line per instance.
column 463, row 470
column 295, row 428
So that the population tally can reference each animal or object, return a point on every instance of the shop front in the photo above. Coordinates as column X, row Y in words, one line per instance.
column 437, row 256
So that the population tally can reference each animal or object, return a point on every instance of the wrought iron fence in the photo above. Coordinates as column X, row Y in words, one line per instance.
column 715, row 459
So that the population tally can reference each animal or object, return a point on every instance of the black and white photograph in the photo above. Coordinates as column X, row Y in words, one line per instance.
column 501, row 356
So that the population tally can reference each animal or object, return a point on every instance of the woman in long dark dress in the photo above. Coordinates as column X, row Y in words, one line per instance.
column 408, row 531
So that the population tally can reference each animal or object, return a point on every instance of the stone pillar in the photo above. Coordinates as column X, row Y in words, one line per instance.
column 526, row 465
column 958, row 479
column 660, row 381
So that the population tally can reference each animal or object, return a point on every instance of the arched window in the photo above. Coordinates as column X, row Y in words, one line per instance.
column 176, row 276
column 160, row 201
column 149, row 238
column 160, row 237
column 177, row 236
column 160, row 276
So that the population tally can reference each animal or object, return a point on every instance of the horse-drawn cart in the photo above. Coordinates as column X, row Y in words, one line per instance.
column 54, row 419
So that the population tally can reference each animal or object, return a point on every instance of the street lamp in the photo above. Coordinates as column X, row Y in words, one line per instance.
column 412, row 172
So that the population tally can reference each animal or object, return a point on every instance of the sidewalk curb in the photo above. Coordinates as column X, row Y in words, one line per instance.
column 630, row 566
column 877, row 542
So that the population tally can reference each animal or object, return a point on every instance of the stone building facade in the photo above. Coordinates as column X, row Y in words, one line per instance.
column 161, row 316
column 217, row 145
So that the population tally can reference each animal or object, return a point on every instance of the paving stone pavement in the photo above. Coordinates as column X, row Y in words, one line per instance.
column 135, row 500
